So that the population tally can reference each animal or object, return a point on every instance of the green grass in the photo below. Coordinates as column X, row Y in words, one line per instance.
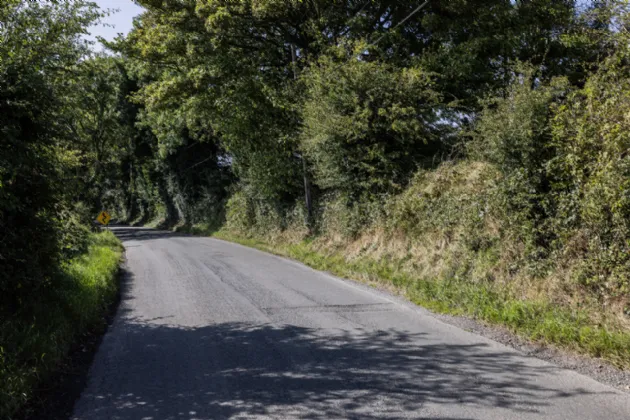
column 32, row 347
column 535, row 320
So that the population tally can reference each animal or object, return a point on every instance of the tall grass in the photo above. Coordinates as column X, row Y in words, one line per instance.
column 35, row 341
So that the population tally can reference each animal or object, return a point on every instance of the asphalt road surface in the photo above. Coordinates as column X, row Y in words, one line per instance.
column 212, row 330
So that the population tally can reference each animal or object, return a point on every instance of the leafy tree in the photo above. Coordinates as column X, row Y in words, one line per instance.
column 215, row 94
column 39, row 45
column 230, row 73
column 369, row 125
column 93, row 118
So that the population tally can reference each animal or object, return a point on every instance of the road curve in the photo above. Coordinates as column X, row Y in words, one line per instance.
column 207, row 329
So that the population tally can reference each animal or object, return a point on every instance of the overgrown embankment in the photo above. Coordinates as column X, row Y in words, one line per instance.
column 528, row 227
column 36, row 340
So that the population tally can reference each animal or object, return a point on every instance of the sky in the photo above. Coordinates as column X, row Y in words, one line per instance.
column 120, row 21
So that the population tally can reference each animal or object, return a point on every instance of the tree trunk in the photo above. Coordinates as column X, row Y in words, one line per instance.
column 307, row 182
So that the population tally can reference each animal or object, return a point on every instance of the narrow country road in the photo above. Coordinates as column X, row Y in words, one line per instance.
column 212, row 330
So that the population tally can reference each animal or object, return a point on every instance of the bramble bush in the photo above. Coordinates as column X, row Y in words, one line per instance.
column 563, row 192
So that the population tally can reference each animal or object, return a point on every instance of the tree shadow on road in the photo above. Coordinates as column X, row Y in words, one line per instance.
column 127, row 233
column 152, row 369
column 237, row 370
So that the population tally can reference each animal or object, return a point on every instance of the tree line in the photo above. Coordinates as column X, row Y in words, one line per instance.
column 319, row 116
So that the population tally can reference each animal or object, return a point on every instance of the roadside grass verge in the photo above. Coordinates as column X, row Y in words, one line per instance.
column 536, row 320
column 32, row 347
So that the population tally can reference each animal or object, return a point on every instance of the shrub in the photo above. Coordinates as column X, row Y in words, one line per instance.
column 562, row 153
column 33, row 342
column 367, row 124
column 240, row 214
column 591, row 135
column 514, row 134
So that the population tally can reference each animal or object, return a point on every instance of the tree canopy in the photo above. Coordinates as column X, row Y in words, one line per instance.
column 289, row 112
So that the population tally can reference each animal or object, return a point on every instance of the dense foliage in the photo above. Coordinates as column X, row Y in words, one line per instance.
column 59, row 133
column 308, row 100
column 40, row 50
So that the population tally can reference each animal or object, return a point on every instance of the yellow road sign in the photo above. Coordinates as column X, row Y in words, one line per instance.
column 104, row 218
